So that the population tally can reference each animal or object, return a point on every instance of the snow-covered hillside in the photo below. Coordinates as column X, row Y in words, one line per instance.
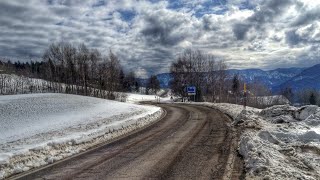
column 37, row 129
column 280, row 142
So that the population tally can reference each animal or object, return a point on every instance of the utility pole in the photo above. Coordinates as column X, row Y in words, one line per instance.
column 244, row 95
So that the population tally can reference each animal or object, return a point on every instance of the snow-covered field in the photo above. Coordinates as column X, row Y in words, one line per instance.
column 135, row 98
column 37, row 129
column 280, row 142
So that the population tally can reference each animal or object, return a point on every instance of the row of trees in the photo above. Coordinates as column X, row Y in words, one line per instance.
column 30, row 69
column 202, row 71
column 258, row 89
column 86, row 67
column 304, row 96
column 79, row 69
column 213, row 84
column 209, row 76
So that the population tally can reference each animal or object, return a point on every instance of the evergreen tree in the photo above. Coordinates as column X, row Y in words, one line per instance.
column 312, row 99
column 153, row 84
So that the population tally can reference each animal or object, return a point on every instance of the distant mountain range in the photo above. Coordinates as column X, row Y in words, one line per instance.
column 270, row 78
column 277, row 79
column 308, row 78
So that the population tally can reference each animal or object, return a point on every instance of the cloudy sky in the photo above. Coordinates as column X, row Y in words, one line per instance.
column 148, row 35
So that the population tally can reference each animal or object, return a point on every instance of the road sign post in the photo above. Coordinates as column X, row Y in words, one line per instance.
column 191, row 90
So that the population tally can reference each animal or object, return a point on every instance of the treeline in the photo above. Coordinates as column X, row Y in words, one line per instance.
column 302, row 97
column 31, row 69
column 193, row 68
column 213, row 84
column 77, row 70
column 286, row 95
column 208, row 74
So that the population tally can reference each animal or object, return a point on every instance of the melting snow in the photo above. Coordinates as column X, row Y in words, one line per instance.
column 285, row 145
column 280, row 142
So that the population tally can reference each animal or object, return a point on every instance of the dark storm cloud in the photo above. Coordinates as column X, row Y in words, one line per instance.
column 304, row 29
column 264, row 14
column 158, row 31
column 28, row 28
column 292, row 38
column 155, row 60
column 240, row 30
column 19, row 13
column 307, row 35
column 307, row 16
column 7, row 9
column 269, row 11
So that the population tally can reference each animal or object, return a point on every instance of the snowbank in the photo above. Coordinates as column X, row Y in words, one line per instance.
column 280, row 142
column 38, row 129
column 232, row 110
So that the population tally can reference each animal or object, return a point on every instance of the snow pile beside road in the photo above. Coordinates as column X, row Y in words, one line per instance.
column 232, row 110
column 280, row 142
column 39, row 129
column 286, row 113
column 284, row 143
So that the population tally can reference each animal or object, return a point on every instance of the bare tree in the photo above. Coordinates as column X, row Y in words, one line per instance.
column 193, row 68
column 70, row 57
column 113, row 75
column 71, row 69
column 95, row 57
column 83, row 65
column 236, row 87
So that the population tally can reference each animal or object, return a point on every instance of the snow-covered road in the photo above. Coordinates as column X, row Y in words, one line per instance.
column 59, row 125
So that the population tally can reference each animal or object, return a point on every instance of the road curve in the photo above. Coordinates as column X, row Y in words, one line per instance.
column 191, row 142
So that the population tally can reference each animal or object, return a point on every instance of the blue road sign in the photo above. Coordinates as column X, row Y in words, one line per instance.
column 191, row 90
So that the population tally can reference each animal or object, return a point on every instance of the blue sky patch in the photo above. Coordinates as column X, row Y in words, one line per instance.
column 127, row 15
